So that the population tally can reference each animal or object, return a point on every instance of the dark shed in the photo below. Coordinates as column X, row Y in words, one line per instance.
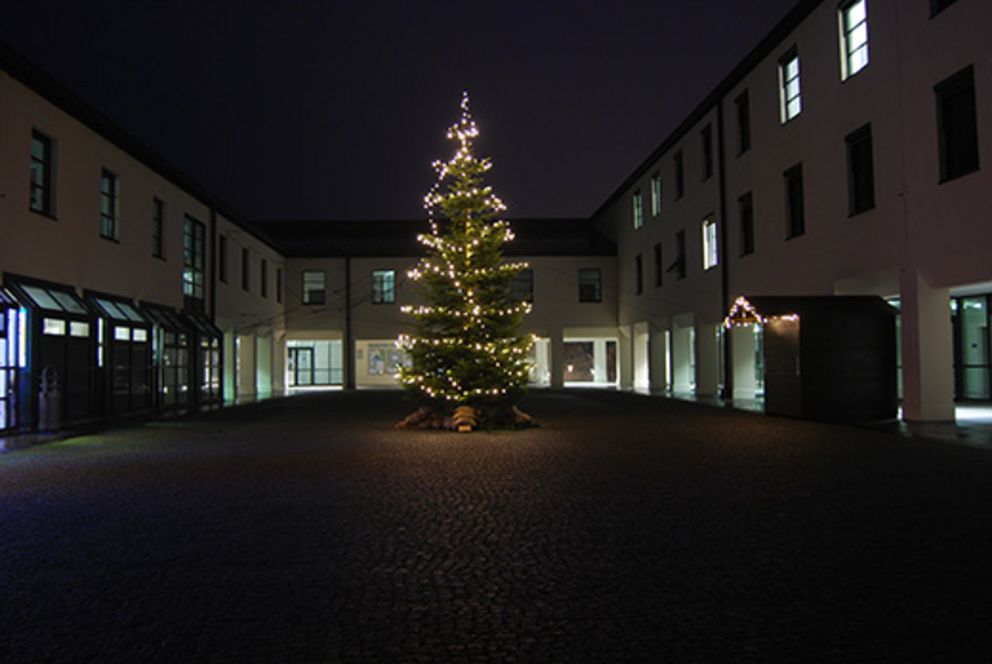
column 827, row 357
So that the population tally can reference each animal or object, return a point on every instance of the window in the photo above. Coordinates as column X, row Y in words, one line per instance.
column 678, row 266
column 523, row 285
column 794, row 205
column 860, row 171
column 711, row 254
column 957, row 123
column 590, row 285
column 109, row 203
column 743, row 106
column 790, row 97
column 655, row 195
column 707, row 140
column 314, row 285
column 657, row 265
column 222, row 258
column 853, row 20
column 745, row 207
column 53, row 326
column 937, row 6
column 679, row 175
column 41, row 174
column 383, row 286
column 638, row 274
column 158, row 223
column 279, row 285
column 245, row 269
column 264, row 274
column 193, row 263
column 638, row 209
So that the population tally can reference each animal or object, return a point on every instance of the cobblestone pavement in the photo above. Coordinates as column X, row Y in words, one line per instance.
column 626, row 529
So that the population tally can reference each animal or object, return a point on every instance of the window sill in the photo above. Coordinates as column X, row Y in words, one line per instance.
column 161, row 258
column 110, row 239
column 858, row 213
column 746, row 254
column 41, row 213
column 794, row 236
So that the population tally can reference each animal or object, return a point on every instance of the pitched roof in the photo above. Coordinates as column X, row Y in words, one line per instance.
column 394, row 238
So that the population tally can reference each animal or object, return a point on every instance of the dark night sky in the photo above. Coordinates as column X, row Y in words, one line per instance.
column 327, row 109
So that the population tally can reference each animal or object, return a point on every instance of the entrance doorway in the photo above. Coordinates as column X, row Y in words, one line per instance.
column 301, row 367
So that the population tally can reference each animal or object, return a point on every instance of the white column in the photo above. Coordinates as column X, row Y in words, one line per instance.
column 557, row 359
column 246, row 365
column 707, row 360
column 626, row 359
column 927, row 351
column 742, row 354
column 681, row 358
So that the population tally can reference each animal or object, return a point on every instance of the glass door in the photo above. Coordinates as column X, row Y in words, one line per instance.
column 973, row 348
column 300, row 367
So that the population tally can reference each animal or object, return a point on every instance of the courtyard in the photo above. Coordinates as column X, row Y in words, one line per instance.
column 626, row 528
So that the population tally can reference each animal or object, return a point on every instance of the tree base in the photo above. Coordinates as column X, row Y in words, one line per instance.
column 465, row 419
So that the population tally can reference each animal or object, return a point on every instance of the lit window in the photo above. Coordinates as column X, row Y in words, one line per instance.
column 53, row 326
column 590, row 285
column 853, row 20
column 78, row 329
column 789, row 89
column 638, row 209
column 109, row 204
column 711, row 256
column 193, row 263
column 41, row 173
column 314, row 284
column 383, row 286
column 655, row 195
column 122, row 333
column 139, row 335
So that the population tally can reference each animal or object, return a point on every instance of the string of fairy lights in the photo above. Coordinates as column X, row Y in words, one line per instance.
column 456, row 361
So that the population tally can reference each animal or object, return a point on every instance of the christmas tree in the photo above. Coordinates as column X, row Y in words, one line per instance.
column 468, row 353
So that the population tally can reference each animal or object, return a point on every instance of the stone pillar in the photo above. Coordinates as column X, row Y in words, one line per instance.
column 742, row 352
column 246, row 366
column 557, row 359
column 626, row 357
column 927, row 350
column 707, row 360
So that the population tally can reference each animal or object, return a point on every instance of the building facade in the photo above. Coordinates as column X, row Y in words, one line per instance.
column 842, row 156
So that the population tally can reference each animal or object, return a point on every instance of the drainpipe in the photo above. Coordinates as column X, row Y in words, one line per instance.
column 728, row 359
column 349, row 348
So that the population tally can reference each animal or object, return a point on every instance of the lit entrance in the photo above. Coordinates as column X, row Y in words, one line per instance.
column 300, row 367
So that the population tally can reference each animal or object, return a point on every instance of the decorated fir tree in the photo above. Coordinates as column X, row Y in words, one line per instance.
column 468, row 353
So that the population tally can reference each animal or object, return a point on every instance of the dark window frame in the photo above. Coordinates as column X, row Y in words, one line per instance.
column 46, row 167
column 745, row 214
column 860, row 182
column 679, row 160
column 584, row 292
column 845, row 39
column 743, row 105
column 158, row 228
column 263, row 273
column 678, row 266
column 279, row 285
column 964, row 159
column 245, row 269
column 222, row 258
column 658, row 262
column 522, row 286
column 795, row 202
column 937, row 6
column 638, row 274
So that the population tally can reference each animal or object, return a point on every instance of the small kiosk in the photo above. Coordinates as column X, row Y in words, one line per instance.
column 826, row 357
column 60, row 353
column 124, row 355
column 206, row 367
column 171, row 357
